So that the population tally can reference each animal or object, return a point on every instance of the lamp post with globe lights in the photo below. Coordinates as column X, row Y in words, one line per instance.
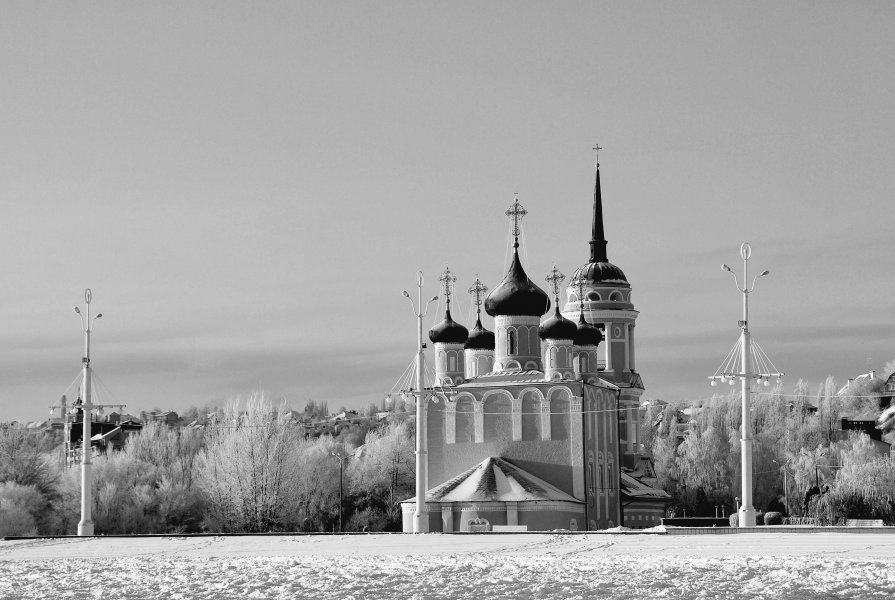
column 746, row 361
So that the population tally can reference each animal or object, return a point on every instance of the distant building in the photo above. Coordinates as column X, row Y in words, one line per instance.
column 867, row 427
column 888, row 393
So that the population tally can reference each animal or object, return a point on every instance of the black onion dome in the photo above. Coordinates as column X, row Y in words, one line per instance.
column 516, row 295
column 480, row 338
column 586, row 334
column 448, row 332
column 557, row 327
column 599, row 272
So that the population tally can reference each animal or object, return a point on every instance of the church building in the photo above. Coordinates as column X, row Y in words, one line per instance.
column 535, row 425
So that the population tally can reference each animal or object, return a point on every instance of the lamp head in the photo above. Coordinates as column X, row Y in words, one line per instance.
column 99, row 315
column 763, row 273
column 77, row 310
column 724, row 267
column 405, row 294
column 434, row 298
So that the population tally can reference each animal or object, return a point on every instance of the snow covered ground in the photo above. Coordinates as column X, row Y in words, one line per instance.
column 753, row 565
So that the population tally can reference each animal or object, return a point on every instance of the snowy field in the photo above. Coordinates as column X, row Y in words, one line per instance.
column 754, row 565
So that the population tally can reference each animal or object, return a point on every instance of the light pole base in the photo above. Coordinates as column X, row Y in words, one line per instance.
column 746, row 517
column 85, row 529
column 420, row 523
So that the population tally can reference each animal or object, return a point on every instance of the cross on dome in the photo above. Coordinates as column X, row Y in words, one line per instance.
column 478, row 290
column 580, row 283
column 555, row 279
column 447, row 280
column 597, row 149
column 515, row 213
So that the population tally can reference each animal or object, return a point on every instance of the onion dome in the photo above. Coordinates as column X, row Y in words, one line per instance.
column 448, row 332
column 599, row 272
column 517, row 295
column 557, row 327
column 586, row 334
column 480, row 338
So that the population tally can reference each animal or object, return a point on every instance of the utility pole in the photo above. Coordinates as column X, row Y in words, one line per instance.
column 420, row 520
column 741, row 367
column 85, row 526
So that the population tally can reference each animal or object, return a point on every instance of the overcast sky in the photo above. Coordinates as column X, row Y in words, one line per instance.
column 247, row 187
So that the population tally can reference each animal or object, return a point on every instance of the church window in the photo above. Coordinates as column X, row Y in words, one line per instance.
column 593, row 297
column 573, row 297
column 452, row 362
column 582, row 363
column 511, row 342
column 615, row 297
column 590, row 472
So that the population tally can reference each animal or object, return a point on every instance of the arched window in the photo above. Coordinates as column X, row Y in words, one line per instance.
column 582, row 363
column 551, row 357
column 593, row 297
column 511, row 342
column 615, row 297
column 452, row 362
column 573, row 297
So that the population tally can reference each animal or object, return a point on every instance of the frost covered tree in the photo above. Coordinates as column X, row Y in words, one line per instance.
column 382, row 474
column 245, row 467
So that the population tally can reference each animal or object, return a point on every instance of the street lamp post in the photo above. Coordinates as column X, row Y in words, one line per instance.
column 85, row 525
column 741, row 367
column 341, row 460
column 420, row 523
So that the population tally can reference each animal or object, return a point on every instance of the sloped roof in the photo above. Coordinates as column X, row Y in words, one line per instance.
column 496, row 480
column 633, row 488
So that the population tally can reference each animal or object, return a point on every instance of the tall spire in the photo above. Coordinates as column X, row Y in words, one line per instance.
column 598, row 241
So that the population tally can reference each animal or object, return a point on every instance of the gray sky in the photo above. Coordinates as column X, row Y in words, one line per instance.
column 247, row 187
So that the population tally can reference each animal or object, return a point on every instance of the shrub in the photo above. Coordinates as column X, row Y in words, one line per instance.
column 16, row 520
column 734, row 519
column 368, row 519
column 773, row 518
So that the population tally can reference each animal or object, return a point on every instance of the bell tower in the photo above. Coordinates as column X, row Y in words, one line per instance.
column 600, row 291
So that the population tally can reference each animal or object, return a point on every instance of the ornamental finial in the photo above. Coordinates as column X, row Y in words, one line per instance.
column 555, row 279
column 478, row 290
column 597, row 149
column 515, row 213
column 447, row 280
column 580, row 283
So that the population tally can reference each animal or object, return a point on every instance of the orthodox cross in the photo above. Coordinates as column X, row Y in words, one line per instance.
column 478, row 290
column 597, row 149
column 447, row 280
column 580, row 283
column 515, row 213
column 555, row 279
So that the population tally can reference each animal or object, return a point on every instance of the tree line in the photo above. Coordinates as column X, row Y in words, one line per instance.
column 802, row 466
column 247, row 470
